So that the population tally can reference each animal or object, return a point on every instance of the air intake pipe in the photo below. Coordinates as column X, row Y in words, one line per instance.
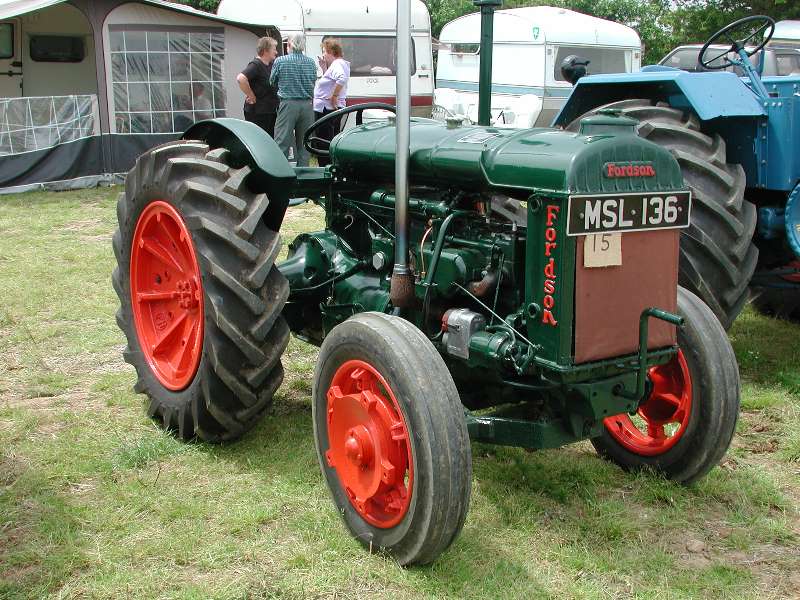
column 402, row 285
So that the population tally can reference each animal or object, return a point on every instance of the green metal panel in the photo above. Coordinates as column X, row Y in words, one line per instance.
column 550, row 265
column 544, row 161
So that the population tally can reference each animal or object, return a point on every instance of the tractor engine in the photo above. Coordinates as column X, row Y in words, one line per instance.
column 534, row 252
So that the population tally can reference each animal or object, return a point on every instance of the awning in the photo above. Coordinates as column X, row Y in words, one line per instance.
column 14, row 8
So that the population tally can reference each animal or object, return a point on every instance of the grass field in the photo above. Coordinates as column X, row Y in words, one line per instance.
column 97, row 502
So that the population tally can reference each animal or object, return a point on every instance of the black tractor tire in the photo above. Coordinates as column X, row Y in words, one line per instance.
column 717, row 255
column 243, row 293
column 435, row 430
column 781, row 303
column 715, row 396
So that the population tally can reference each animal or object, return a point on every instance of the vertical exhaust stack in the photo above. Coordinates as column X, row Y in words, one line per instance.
column 402, row 286
column 485, row 75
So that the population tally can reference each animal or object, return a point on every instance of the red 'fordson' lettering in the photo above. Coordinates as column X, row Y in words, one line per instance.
column 550, row 236
column 614, row 170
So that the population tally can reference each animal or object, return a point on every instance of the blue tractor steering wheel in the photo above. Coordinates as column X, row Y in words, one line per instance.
column 750, row 28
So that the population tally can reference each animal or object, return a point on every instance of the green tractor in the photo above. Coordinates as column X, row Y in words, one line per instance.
column 471, row 283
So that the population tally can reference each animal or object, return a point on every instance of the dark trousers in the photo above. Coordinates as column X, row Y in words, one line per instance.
column 266, row 122
column 326, row 132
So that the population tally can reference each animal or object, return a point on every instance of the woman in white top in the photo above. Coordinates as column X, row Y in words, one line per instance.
column 330, row 92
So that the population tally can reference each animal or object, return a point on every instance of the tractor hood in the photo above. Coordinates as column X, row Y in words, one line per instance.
column 533, row 160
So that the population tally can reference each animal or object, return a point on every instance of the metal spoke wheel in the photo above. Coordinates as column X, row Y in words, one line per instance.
column 391, row 437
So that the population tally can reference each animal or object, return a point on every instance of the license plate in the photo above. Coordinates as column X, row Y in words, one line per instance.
column 601, row 213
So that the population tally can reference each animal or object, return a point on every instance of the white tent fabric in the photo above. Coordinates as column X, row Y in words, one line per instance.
column 15, row 8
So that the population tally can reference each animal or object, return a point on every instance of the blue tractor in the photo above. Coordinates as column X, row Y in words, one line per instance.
column 737, row 140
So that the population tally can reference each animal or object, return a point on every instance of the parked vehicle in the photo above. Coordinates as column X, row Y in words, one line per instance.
column 367, row 32
column 530, row 274
column 530, row 45
column 777, row 60
column 737, row 141
column 787, row 35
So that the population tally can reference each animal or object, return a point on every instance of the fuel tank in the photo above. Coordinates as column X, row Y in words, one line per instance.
column 483, row 158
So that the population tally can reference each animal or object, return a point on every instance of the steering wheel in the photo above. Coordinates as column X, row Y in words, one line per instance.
column 323, row 149
column 749, row 27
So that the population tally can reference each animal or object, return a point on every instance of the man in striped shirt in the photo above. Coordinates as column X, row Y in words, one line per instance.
column 294, row 74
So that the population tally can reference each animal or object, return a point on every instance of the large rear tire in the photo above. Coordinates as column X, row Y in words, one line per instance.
column 391, row 437
column 717, row 255
column 685, row 425
column 200, row 297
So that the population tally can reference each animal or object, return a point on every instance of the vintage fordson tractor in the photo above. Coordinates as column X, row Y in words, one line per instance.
column 736, row 140
column 524, row 293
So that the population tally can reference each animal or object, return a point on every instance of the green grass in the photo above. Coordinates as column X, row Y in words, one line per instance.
column 97, row 502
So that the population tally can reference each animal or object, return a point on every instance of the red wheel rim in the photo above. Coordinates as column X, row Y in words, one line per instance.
column 368, row 444
column 167, row 295
column 795, row 278
column 663, row 416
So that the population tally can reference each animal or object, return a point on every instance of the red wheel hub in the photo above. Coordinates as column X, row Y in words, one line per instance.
column 167, row 295
column 662, row 418
column 368, row 444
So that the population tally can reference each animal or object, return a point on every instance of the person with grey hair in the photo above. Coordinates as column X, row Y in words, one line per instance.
column 294, row 75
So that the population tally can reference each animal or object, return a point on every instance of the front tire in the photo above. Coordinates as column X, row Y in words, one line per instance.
column 685, row 425
column 200, row 297
column 391, row 437
column 717, row 254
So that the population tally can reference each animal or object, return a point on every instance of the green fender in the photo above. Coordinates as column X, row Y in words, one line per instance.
column 251, row 146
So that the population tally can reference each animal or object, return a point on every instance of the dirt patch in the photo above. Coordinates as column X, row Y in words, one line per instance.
column 774, row 567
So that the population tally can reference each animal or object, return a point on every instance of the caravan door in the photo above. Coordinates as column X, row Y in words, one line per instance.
column 10, row 59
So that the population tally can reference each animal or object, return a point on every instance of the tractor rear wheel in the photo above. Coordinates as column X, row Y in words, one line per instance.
column 685, row 425
column 200, row 296
column 717, row 256
column 391, row 437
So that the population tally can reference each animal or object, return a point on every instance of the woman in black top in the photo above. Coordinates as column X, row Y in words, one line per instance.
column 261, row 99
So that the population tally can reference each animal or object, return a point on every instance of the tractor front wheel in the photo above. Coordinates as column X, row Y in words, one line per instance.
column 685, row 425
column 200, row 297
column 391, row 437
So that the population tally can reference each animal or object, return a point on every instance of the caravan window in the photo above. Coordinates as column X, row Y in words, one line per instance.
column 57, row 48
column 462, row 48
column 603, row 60
column 165, row 79
column 371, row 56
column 6, row 40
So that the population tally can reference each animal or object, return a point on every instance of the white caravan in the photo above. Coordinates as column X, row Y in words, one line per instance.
column 368, row 32
column 530, row 44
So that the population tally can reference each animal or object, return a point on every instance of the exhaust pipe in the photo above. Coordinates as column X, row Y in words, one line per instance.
column 402, row 284
column 485, row 69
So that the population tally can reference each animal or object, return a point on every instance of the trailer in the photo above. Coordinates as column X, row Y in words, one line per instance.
column 367, row 30
column 530, row 45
